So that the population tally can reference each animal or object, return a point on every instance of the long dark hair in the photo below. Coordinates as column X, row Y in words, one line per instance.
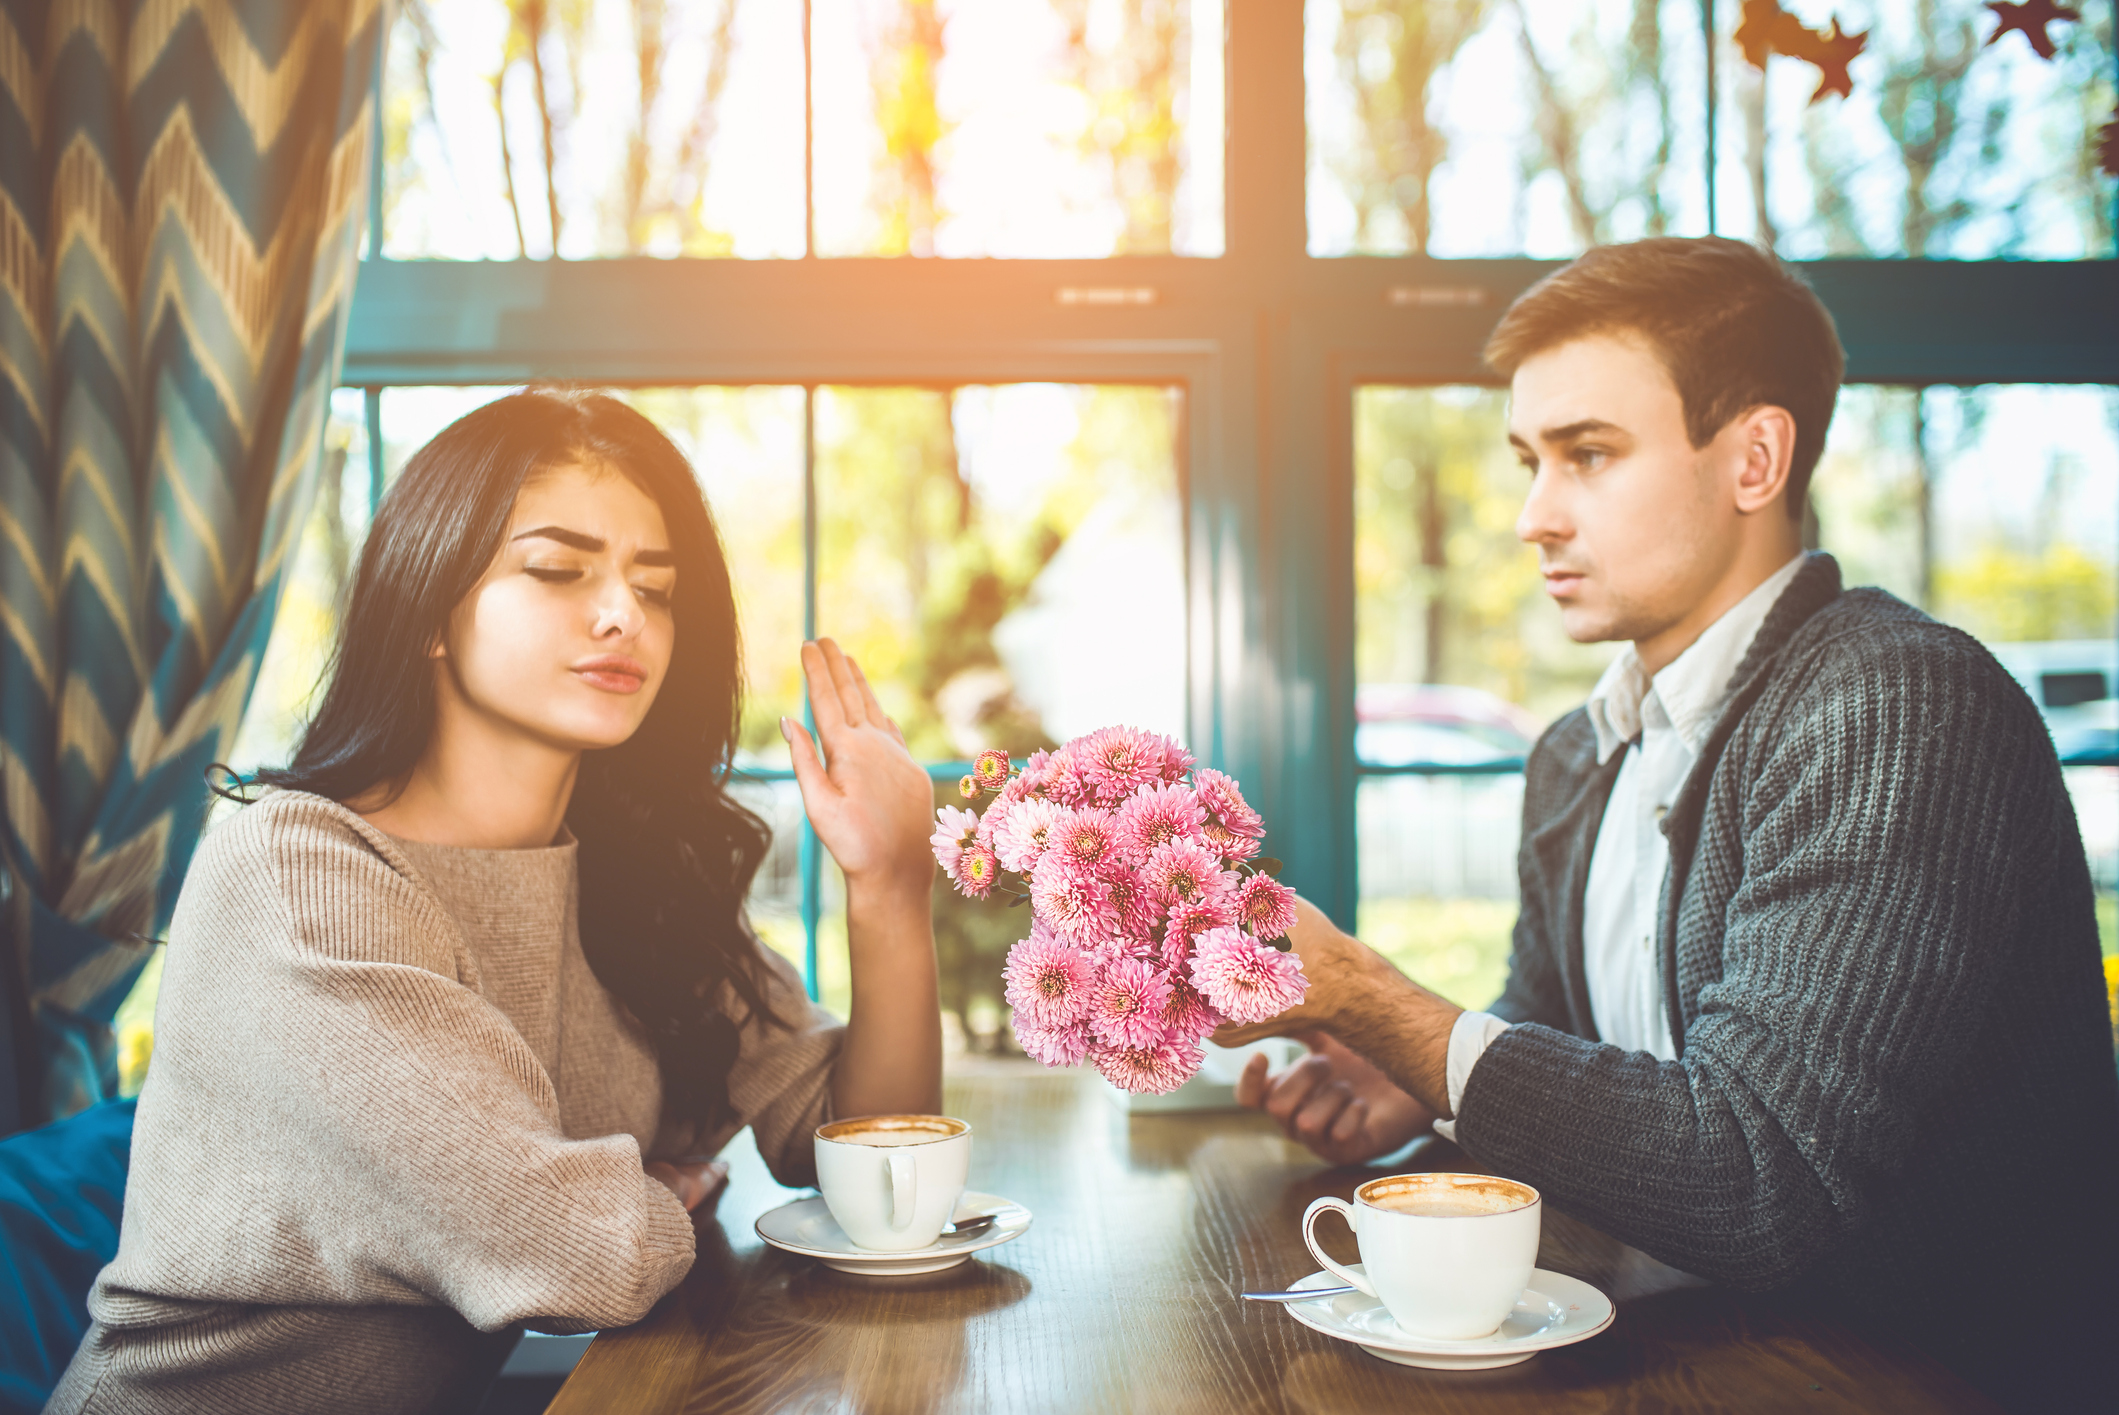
column 665, row 856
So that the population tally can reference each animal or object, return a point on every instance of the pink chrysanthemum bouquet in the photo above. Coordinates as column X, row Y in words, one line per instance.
column 1152, row 920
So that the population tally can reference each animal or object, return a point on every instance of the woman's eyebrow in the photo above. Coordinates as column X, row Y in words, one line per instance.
column 576, row 539
column 580, row 540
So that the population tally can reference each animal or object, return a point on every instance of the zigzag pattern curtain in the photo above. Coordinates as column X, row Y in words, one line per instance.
column 182, row 187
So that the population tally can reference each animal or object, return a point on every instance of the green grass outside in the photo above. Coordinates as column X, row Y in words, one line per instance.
column 1455, row 947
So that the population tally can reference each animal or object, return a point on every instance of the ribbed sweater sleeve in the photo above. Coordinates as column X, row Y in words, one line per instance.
column 1888, row 843
column 380, row 1133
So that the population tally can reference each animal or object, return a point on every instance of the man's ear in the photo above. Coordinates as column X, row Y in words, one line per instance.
column 1764, row 438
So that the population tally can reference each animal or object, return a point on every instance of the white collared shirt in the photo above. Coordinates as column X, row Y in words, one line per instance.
column 1660, row 724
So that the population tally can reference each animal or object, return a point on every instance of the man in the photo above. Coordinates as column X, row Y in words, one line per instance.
column 1805, row 991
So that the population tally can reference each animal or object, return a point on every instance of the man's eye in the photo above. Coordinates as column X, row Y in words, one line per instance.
column 551, row 576
column 1591, row 457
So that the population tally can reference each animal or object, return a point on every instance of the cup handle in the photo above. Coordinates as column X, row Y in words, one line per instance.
column 904, row 1190
column 1309, row 1237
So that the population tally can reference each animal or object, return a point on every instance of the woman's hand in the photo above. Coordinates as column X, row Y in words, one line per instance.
column 691, row 1183
column 874, row 810
column 873, row 806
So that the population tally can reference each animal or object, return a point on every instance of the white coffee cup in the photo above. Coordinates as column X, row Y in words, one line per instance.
column 1447, row 1254
column 893, row 1181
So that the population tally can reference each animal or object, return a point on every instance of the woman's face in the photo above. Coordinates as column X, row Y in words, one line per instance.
column 567, row 638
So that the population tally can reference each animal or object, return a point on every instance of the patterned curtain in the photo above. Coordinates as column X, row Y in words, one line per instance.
column 182, row 188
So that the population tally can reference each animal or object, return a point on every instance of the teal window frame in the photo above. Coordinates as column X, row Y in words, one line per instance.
column 1268, row 345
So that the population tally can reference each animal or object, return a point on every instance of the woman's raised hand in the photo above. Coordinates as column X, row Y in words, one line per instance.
column 873, row 806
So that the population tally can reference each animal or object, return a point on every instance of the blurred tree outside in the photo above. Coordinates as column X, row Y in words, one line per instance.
column 1133, row 76
column 652, row 201
column 1948, row 147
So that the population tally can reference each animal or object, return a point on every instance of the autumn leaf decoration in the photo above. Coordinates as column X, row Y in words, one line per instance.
column 2108, row 146
column 2030, row 19
column 1768, row 29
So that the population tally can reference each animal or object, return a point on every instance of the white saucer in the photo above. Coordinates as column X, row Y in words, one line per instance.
column 807, row 1227
column 1554, row 1310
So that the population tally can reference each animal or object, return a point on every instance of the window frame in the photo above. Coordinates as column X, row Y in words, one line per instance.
column 1268, row 344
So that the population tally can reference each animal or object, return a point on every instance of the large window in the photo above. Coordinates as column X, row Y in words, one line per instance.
column 1174, row 459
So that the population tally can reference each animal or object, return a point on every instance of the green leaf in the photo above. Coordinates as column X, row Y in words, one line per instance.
column 1266, row 865
column 1283, row 943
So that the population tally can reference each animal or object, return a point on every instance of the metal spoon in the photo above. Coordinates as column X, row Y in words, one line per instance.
column 965, row 1226
column 1303, row 1296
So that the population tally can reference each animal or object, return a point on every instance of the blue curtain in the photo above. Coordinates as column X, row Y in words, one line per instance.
column 182, row 188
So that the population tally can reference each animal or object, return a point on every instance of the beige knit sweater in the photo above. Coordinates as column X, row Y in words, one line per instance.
column 393, row 1115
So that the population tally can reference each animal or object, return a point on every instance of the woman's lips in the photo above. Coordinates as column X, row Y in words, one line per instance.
column 612, row 674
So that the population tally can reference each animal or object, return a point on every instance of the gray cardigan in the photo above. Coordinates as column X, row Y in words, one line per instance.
column 1894, row 1087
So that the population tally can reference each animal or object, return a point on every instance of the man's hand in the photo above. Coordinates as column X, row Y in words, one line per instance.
column 1336, row 966
column 1334, row 1103
column 1356, row 996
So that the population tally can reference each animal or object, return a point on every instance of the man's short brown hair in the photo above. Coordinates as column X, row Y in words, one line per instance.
column 1735, row 328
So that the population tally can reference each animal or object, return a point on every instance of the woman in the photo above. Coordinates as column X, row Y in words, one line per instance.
column 400, row 1101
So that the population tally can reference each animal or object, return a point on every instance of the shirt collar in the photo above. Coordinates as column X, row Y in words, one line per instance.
column 1690, row 691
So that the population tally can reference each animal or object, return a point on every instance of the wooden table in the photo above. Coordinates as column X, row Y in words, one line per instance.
column 1123, row 1297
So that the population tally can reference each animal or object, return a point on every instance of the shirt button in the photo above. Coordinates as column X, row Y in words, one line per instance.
column 1661, row 811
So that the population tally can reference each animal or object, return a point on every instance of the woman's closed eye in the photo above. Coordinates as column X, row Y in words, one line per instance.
column 661, row 596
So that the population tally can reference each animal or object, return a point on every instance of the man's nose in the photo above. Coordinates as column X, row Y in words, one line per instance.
column 1541, row 520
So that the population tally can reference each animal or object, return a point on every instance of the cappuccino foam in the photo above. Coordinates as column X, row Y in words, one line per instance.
column 891, row 1138
column 1438, row 1206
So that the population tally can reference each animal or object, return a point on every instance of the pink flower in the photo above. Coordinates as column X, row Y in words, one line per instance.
column 1031, row 781
column 1245, row 980
column 976, row 870
column 1188, row 1016
column 1064, row 1045
column 1157, row 815
column 1020, row 839
column 1226, row 842
column 1114, row 762
column 1218, row 793
column 1187, row 920
column 1176, row 761
column 1265, row 906
column 1073, row 902
column 992, row 819
column 1137, row 909
column 1152, row 1070
column 1083, row 837
column 1182, row 871
column 1062, row 781
column 1049, row 982
column 992, row 768
column 953, row 830
column 1126, row 1006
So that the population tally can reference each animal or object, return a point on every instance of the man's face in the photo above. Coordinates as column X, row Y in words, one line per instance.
column 1633, row 524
